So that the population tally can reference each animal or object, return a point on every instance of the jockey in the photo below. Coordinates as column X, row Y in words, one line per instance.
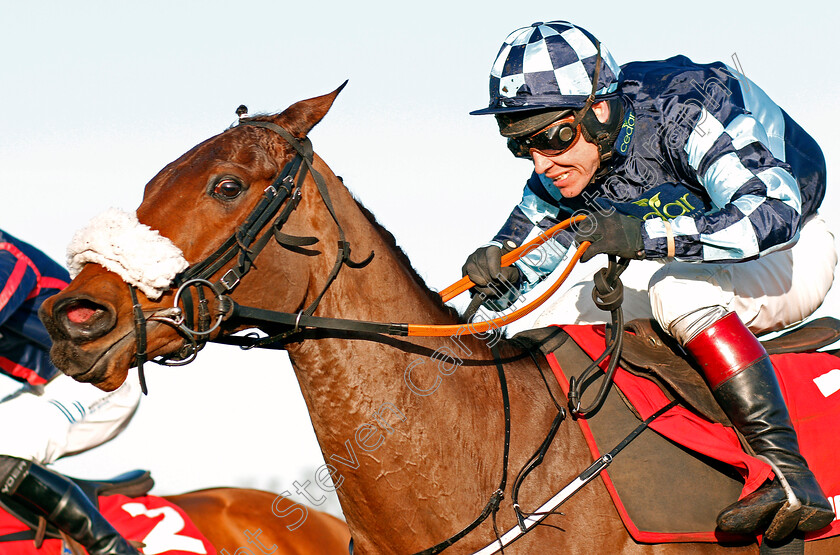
column 46, row 414
column 691, row 165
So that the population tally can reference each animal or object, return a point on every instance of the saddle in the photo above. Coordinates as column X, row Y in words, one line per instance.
column 134, row 483
column 689, row 482
column 651, row 353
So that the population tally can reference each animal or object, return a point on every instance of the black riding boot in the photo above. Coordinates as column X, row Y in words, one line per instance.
column 743, row 381
column 63, row 505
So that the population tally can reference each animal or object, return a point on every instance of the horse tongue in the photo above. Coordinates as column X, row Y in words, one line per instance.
column 80, row 314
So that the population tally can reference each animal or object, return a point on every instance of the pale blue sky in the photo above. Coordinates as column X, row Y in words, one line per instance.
column 97, row 96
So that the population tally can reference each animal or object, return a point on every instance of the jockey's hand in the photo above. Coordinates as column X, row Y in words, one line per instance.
column 612, row 233
column 484, row 268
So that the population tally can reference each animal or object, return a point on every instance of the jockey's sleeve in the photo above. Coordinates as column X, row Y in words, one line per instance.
column 756, row 201
column 532, row 217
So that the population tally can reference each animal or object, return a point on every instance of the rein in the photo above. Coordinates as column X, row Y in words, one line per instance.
column 299, row 321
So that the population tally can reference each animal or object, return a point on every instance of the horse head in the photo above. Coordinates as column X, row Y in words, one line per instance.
column 194, row 207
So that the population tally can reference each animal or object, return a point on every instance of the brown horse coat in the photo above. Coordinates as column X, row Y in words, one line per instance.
column 232, row 518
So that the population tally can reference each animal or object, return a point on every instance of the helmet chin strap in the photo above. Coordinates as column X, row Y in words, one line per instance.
column 590, row 100
column 601, row 134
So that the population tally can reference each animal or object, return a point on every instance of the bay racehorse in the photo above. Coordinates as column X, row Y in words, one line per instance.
column 231, row 517
column 413, row 429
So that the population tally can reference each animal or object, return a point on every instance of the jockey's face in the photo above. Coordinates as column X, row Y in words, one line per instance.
column 572, row 170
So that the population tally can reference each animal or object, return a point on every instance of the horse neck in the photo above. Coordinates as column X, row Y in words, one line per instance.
column 385, row 290
column 359, row 383
column 412, row 468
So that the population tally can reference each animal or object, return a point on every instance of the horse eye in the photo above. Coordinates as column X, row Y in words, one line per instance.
column 227, row 188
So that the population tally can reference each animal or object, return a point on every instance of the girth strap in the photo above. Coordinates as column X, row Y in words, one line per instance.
column 550, row 507
column 794, row 546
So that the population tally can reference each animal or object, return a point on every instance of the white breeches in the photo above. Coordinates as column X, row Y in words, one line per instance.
column 770, row 293
column 68, row 417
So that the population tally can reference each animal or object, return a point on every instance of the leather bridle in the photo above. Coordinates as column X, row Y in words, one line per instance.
column 279, row 201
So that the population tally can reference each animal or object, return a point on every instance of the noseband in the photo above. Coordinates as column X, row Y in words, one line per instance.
column 278, row 202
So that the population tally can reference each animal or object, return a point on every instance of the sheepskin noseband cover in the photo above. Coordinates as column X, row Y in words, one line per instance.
column 137, row 253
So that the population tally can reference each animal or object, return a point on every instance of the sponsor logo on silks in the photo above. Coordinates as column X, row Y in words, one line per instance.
column 666, row 201
column 679, row 207
column 625, row 135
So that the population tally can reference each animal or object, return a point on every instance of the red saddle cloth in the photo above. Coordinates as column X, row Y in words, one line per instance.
column 163, row 527
column 810, row 383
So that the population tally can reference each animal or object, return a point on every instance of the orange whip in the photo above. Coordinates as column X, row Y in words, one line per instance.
column 464, row 284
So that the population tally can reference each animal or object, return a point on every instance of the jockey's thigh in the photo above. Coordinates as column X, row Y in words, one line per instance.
column 67, row 417
column 770, row 293
column 575, row 304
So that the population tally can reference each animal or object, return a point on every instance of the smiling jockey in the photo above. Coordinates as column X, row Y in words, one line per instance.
column 45, row 414
column 694, row 166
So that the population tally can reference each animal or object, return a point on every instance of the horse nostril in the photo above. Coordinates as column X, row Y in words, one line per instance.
column 84, row 319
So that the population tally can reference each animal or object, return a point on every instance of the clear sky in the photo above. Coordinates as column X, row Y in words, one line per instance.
column 97, row 96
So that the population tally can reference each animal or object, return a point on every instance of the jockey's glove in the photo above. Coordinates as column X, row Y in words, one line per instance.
column 484, row 268
column 612, row 233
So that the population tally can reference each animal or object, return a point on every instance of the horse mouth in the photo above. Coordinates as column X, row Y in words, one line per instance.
column 99, row 368
column 107, row 368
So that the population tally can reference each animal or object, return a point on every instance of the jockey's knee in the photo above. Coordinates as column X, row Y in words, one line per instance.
column 684, row 299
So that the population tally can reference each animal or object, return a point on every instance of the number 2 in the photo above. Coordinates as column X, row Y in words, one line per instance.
column 164, row 536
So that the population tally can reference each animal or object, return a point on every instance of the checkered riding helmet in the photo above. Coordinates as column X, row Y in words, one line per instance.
column 549, row 65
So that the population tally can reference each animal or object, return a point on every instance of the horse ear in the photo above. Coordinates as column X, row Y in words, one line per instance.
column 301, row 117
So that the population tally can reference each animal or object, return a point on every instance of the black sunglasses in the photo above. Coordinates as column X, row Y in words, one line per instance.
column 554, row 140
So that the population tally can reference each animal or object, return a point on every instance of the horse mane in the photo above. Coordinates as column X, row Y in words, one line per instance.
column 389, row 239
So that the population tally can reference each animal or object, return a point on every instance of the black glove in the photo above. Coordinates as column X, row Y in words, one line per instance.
column 611, row 234
column 484, row 268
